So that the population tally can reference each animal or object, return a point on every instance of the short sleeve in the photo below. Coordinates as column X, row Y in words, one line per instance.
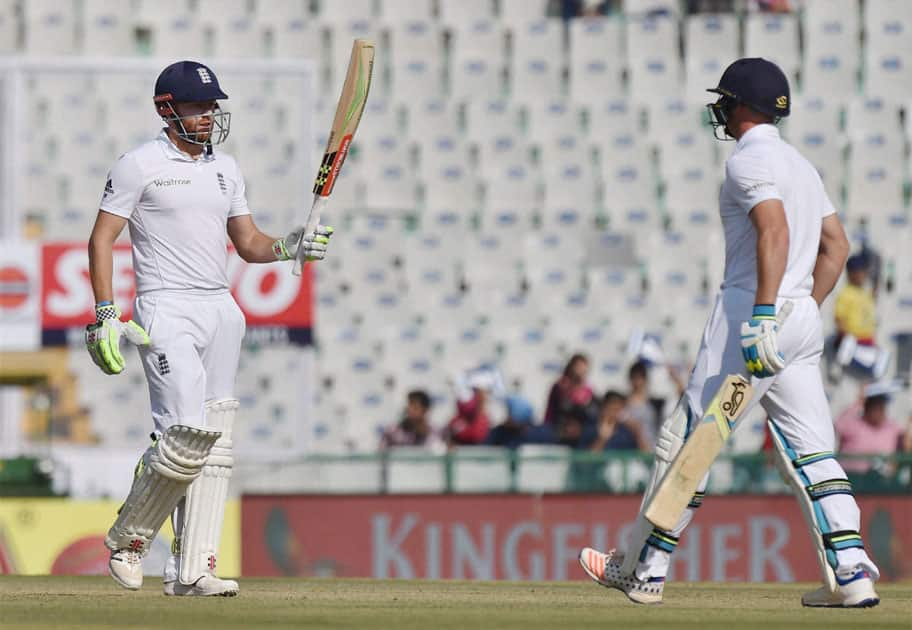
column 123, row 188
column 239, row 205
column 828, row 207
column 752, row 181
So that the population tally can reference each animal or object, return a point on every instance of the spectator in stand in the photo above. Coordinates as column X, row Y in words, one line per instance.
column 614, row 431
column 710, row 6
column 641, row 410
column 471, row 423
column 414, row 429
column 772, row 6
column 512, row 432
column 575, row 427
column 864, row 428
column 569, row 9
column 856, row 314
column 856, row 326
column 571, row 390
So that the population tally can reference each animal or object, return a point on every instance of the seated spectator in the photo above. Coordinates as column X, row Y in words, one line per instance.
column 614, row 432
column 853, row 346
column 413, row 429
column 641, row 410
column 471, row 424
column 855, row 310
column 865, row 429
column 575, row 428
column 571, row 389
column 512, row 432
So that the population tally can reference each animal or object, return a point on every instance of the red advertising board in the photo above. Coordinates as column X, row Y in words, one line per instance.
column 273, row 300
column 525, row 537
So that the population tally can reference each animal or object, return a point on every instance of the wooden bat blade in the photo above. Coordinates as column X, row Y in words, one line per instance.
column 345, row 122
column 348, row 114
column 698, row 453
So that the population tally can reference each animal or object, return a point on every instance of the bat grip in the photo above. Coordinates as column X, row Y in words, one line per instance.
column 313, row 220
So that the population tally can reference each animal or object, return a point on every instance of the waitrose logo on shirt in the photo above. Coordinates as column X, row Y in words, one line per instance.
column 158, row 183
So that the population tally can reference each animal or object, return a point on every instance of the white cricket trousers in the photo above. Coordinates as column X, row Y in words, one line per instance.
column 795, row 401
column 194, row 353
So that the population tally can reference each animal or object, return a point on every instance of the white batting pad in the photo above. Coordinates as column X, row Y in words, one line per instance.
column 205, row 508
column 787, row 469
column 165, row 471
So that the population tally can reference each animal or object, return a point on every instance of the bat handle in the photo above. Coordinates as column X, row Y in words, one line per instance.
column 313, row 220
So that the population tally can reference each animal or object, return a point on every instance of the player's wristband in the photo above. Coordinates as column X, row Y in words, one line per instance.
column 105, row 311
column 279, row 249
column 764, row 311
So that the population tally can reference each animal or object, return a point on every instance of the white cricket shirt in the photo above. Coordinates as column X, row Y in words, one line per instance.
column 178, row 209
column 763, row 166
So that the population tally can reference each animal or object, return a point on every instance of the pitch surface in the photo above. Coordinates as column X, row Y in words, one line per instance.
column 95, row 602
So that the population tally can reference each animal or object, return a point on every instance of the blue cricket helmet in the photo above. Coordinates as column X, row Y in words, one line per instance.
column 192, row 82
column 752, row 81
column 188, row 82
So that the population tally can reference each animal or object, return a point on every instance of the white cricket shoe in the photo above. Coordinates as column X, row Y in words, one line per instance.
column 854, row 592
column 125, row 566
column 605, row 568
column 206, row 586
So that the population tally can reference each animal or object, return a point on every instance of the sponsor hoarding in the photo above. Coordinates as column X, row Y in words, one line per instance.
column 66, row 537
column 526, row 537
column 20, row 285
column 277, row 304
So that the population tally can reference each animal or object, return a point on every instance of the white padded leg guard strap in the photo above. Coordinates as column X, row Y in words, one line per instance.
column 787, row 465
column 669, row 441
column 205, row 509
column 162, row 477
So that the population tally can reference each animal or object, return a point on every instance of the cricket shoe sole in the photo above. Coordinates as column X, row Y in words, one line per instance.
column 605, row 568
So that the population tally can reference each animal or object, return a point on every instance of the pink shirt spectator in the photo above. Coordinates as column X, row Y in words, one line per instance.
column 857, row 437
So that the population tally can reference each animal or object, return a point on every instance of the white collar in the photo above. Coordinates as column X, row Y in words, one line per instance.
column 758, row 132
column 172, row 152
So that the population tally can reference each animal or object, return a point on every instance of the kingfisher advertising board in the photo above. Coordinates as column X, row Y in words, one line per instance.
column 276, row 304
column 527, row 537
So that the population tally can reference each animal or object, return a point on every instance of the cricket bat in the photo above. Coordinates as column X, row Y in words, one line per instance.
column 698, row 453
column 345, row 122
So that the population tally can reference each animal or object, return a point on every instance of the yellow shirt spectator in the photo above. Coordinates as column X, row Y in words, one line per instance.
column 855, row 313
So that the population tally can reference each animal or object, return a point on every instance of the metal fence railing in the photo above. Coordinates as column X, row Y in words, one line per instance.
column 505, row 471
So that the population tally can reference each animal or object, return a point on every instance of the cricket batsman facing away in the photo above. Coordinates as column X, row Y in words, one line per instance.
column 181, row 199
column 784, row 251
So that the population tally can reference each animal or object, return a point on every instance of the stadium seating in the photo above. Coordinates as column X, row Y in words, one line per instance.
column 50, row 27
column 711, row 43
column 596, row 59
column 538, row 60
column 775, row 37
column 653, row 58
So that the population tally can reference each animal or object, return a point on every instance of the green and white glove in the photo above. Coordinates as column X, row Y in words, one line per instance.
column 314, row 244
column 103, row 337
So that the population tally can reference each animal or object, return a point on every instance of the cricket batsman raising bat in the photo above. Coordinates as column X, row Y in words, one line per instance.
column 345, row 122
column 784, row 251
column 183, row 200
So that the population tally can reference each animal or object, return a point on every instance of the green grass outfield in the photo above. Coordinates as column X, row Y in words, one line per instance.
column 95, row 602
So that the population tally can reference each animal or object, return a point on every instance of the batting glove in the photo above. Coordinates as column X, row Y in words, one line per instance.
column 103, row 338
column 314, row 244
column 759, row 344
